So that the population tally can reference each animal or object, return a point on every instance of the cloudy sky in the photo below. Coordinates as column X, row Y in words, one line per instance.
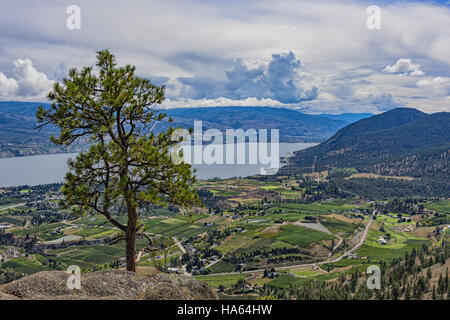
column 315, row 56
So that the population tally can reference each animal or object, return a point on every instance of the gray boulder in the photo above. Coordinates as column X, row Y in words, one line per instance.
column 108, row 285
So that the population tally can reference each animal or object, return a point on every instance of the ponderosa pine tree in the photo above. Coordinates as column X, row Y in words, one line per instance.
column 127, row 165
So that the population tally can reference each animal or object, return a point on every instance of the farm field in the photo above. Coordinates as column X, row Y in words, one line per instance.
column 225, row 280
column 180, row 228
column 24, row 265
column 338, row 226
column 442, row 206
column 300, row 236
column 250, row 236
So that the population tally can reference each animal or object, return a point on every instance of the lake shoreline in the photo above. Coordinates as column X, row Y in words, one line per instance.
column 51, row 168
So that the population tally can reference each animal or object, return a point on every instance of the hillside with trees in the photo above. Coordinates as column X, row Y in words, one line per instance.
column 400, row 142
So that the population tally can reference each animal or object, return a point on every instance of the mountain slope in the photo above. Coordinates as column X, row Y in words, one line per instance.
column 398, row 142
column 383, row 121
column 27, row 109
column 17, row 120
column 347, row 117
column 293, row 125
column 17, row 134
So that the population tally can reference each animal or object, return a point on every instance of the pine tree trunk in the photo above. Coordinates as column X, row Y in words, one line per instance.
column 131, row 251
column 131, row 240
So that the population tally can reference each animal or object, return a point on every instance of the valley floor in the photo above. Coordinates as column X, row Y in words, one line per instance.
column 254, row 237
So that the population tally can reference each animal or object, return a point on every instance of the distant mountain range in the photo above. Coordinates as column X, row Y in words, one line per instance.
column 293, row 126
column 17, row 134
column 347, row 117
column 400, row 142
column 17, row 120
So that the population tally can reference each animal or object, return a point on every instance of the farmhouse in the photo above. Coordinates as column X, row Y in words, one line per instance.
column 173, row 270
column 382, row 241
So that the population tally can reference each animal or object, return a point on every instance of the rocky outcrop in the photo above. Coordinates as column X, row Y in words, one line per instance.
column 108, row 285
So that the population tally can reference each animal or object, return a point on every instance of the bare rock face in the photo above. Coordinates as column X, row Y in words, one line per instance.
column 108, row 285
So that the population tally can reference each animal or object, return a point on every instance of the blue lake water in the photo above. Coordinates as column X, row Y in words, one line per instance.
column 44, row 169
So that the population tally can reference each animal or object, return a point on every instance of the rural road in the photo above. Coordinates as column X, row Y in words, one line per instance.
column 184, row 251
column 352, row 250
column 338, row 235
column 356, row 247
column 212, row 263
column 179, row 244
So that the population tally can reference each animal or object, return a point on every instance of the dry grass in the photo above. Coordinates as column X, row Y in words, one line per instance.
column 319, row 251
column 209, row 219
column 342, row 218
column 436, row 271
column 377, row 176
column 317, row 175
column 273, row 229
column 422, row 232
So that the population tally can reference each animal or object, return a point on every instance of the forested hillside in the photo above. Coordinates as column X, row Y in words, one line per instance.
column 404, row 143
column 398, row 142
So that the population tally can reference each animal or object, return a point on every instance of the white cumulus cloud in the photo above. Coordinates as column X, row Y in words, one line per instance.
column 280, row 79
column 8, row 86
column 436, row 82
column 31, row 81
column 404, row 66
column 27, row 82
column 222, row 102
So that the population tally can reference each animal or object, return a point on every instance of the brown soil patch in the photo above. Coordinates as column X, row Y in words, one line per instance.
column 273, row 229
column 342, row 218
column 377, row 176
column 319, row 251
column 317, row 175
column 328, row 242
column 436, row 271
column 422, row 232
column 208, row 219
